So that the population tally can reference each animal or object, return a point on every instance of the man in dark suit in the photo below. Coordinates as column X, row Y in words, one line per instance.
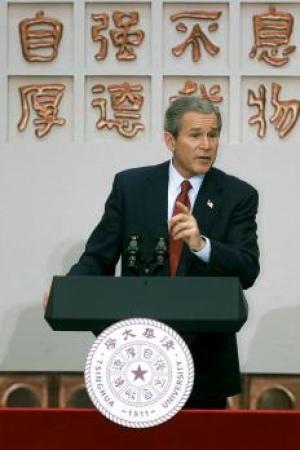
column 212, row 224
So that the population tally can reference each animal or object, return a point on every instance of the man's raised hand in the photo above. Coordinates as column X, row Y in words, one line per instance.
column 184, row 226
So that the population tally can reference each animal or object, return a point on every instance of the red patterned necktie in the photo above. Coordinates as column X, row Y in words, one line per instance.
column 175, row 246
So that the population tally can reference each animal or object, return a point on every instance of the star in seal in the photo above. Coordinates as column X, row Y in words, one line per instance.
column 139, row 373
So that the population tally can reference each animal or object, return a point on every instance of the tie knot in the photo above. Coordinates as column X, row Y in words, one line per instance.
column 185, row 186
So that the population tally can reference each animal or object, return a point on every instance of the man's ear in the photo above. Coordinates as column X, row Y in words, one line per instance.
column 169, row 141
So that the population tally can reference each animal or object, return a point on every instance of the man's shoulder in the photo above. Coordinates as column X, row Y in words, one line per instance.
column 137, row 173
column 232, row 183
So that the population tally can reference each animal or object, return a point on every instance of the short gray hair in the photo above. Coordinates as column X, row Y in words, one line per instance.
column 182, row 105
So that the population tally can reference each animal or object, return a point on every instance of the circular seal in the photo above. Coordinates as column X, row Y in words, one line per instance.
column 139, row 373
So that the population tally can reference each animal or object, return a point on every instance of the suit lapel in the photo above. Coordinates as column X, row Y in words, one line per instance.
column 207, row 204
column 155, row 207
column 206, row 208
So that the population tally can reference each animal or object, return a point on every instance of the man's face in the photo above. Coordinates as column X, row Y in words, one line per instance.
column 195, row 148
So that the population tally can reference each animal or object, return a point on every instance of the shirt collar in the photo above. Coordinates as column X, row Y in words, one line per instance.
column 175, row 178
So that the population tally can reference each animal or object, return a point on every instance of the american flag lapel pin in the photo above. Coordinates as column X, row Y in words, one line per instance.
column 210, row 204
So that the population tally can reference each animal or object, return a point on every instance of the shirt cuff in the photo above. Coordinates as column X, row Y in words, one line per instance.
column 204, row 253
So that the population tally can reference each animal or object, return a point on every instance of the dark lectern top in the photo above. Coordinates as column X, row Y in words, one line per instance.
column 188, row 304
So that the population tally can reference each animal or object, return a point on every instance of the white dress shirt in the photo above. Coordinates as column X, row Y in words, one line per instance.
column 174, row 188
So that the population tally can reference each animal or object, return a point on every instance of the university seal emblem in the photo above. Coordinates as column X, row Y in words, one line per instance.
column 139, row 373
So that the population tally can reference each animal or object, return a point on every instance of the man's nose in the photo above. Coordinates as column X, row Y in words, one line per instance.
column 204, row 142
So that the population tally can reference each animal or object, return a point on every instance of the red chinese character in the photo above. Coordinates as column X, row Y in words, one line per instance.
column 273, row 30
column 43, row 33
column 286, row 112
column 190, row 88
column 123, row 38
column 126, row 102
column 45, row 100
column 197, row 35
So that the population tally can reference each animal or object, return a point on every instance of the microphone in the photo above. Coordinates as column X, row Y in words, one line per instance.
column 133, row 251
column 161, row 251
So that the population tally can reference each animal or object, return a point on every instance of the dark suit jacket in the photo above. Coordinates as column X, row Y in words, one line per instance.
column 138, row 204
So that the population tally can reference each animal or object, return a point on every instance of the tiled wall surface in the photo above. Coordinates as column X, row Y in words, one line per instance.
column 67, row 390
column 225, row 50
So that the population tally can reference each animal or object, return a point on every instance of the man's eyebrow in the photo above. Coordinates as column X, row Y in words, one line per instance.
column 199, row 128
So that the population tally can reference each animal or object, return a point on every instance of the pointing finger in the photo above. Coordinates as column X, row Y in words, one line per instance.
column 181, row 217
column 183, row 208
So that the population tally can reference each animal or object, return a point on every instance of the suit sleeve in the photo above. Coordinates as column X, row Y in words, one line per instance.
column 103, row 247
column 239, row 255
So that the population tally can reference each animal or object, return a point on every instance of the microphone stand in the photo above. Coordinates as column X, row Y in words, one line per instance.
column 160, row 255
column 143, row 267
column 133, row 252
